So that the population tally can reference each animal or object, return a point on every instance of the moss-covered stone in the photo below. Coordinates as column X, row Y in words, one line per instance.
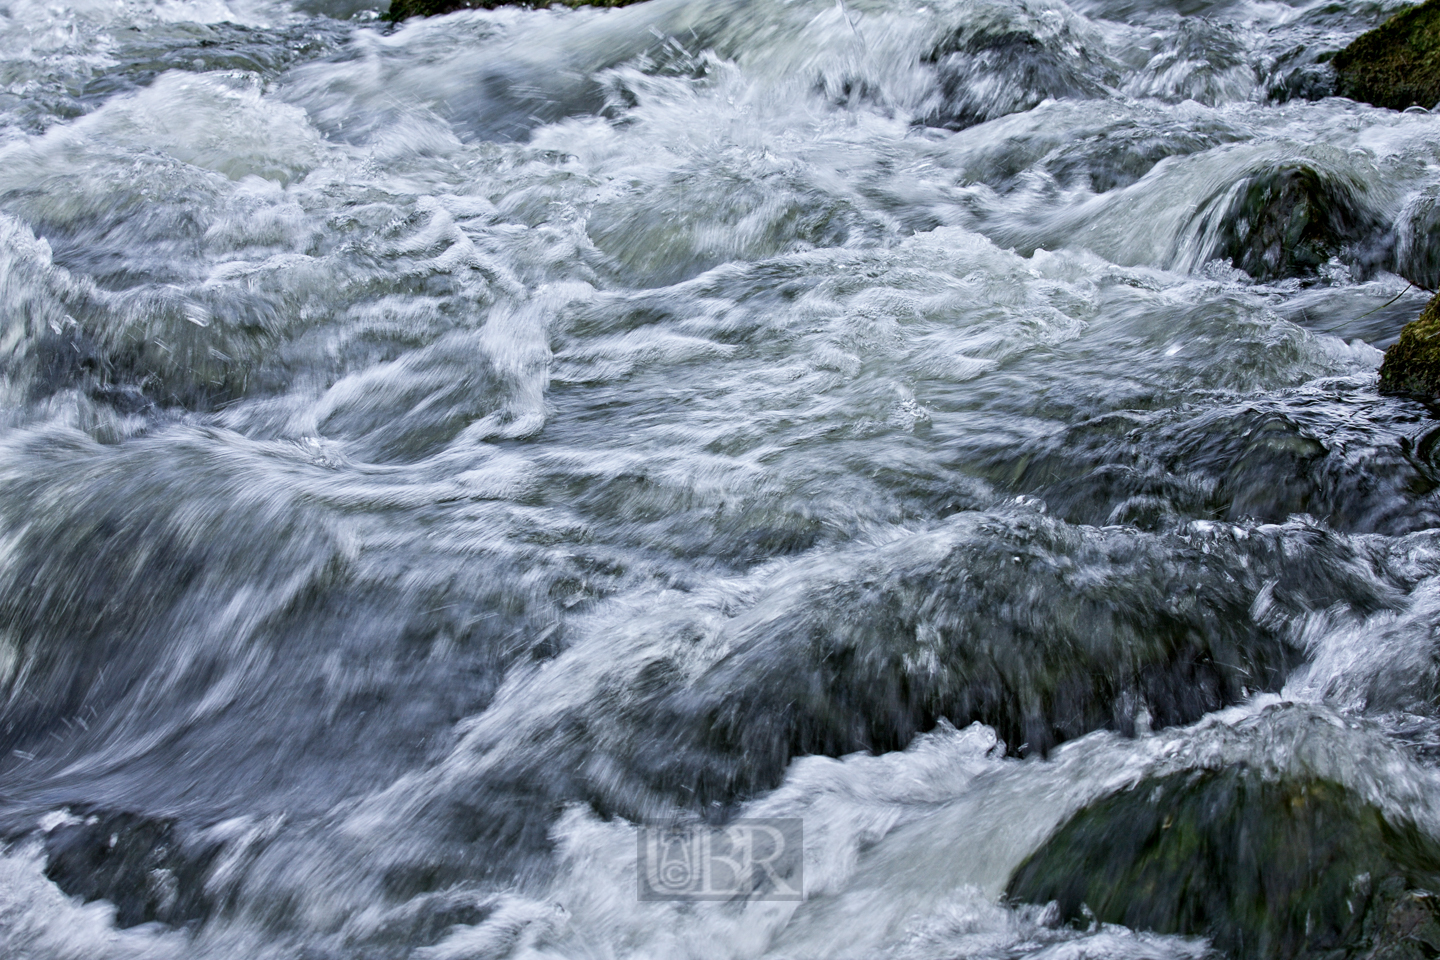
column 1288, row 219
column 405, row 9
column 1267, row 868
column 1396, row 65
column 1412, row 364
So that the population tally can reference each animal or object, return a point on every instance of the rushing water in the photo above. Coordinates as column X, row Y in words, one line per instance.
column 427, row 452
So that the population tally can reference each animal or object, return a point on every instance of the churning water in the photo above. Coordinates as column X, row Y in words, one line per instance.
column 428, row 452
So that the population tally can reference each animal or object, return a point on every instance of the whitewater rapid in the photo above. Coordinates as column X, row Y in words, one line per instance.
column 429, row 451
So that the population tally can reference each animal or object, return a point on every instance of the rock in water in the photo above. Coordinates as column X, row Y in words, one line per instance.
column 405, row 9
column 1396, row 65
column 1403, row 925
column 1272, row 868
column 143, row 865
column 1412, row 364
column 1290, row 218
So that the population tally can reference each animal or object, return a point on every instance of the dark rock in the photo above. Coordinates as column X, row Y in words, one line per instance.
column 1417, row 239
column 1290, row 217
column 1204, row 60
column 1396, row 65
column 1301, row 73
column 1119, row 630
column 405, row 9
column 1403, row 924
column 867, row 663
column 1412, row 364
column 141, row 864
column 993, row 69
column 1266, row 867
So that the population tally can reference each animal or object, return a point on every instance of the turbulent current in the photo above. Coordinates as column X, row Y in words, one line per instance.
column 430, row 452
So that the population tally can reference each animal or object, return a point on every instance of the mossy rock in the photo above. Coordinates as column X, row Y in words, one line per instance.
column 1396, row 65
column 1290, row 218
column 1266, row 868
column 1412, row 364
column 405, row 9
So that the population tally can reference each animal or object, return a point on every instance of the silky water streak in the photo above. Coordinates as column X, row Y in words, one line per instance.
column 708, row 479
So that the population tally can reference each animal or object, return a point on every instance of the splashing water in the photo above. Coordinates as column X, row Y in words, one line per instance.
column 428, row 452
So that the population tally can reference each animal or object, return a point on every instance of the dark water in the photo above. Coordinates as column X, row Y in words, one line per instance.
column 426, row 453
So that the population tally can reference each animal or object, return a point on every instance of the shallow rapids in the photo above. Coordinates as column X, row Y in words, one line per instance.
column 429, row 451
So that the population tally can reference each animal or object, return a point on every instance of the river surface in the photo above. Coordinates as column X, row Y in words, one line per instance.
column 428, row 452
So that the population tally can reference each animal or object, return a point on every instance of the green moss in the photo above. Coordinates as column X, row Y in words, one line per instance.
column 405, row 9
column 1397, row 64
column 1269, row 869
column 1412, row 364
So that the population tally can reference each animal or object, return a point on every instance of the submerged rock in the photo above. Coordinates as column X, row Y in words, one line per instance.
column 1008, row 59
column 1266, row 867
column 144, row 865
column 1412, row 364
column 405, row 9
column 1403, row 925
column 1396, row 65
column 1417, row 239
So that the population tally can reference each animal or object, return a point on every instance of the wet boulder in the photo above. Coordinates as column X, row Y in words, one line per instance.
column 1006, row 60
column 1288, row 218
column 1265, row 866
column 1412, row 364
column 1205, row 60
column 1396, row 65
column 405, row 9
column 1417, row 239
column 1403, row 924
column 1116, row 155
column 848, row 654
column 144, row 865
